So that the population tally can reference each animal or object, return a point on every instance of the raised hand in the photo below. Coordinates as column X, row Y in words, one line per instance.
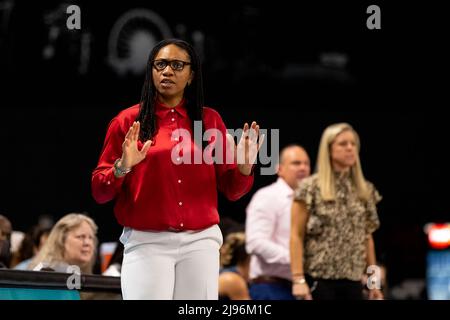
column 131, row 155
column 248, row 147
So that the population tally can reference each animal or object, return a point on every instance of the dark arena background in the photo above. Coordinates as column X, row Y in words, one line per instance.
column 296, row 69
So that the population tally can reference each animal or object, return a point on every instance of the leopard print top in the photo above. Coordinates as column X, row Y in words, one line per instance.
column 337, row 231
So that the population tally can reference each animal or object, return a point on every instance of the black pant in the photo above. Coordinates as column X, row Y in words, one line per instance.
column 324, row 289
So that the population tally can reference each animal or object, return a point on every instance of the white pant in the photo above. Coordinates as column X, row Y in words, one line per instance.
column 170, row 265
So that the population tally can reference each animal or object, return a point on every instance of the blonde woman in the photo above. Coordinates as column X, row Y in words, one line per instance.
column 72, row 241
column 333, row 217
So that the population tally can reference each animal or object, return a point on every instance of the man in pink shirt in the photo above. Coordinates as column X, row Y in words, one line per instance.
column 268, row 226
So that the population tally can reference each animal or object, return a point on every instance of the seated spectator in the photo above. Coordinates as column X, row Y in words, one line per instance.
column 32, row 243
column 233, row 278
column 5, row 242
column 72, row 241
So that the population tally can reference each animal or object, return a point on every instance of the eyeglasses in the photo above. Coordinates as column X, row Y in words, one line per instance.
column 176, row 65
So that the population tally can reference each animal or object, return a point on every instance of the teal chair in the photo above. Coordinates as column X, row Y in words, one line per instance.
column 38, row 294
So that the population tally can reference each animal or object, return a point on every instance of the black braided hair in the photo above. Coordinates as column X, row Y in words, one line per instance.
column 193, row 93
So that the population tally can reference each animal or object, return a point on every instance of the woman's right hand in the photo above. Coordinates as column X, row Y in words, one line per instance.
column 131, row 155
column 301, row 291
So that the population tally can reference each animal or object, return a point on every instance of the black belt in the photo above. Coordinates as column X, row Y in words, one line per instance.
column 271, row 279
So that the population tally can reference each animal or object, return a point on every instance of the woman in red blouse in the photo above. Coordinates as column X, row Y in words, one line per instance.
column 165, row 179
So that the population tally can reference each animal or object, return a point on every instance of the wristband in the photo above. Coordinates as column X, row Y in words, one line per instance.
column 118, row 171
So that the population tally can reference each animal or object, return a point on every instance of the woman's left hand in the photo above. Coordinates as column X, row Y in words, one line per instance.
column 248, row 147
